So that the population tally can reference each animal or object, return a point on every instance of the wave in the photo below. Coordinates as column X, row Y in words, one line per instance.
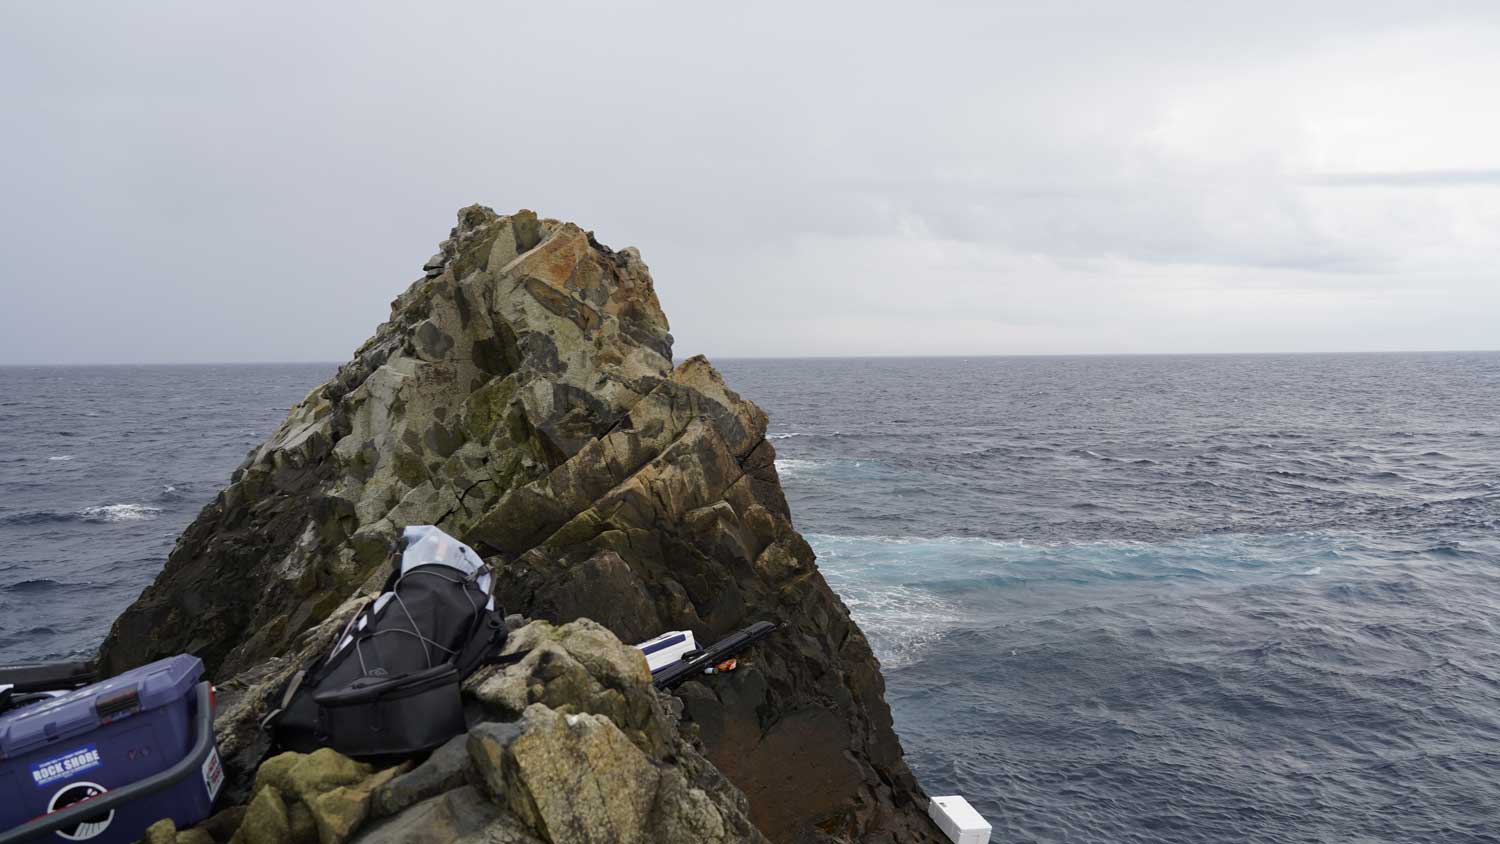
column 120, row 513
column 60, row 457
column 42, row 630
column 1094, row 455
column 37, row 517
column 34, row 585
column 786, row 435
column 106, row 513
column 1305, row 476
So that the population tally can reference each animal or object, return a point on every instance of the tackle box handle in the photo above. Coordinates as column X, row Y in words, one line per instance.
column 48, row 677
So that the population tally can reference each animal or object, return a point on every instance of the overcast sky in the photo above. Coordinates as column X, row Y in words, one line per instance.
column 204, row 183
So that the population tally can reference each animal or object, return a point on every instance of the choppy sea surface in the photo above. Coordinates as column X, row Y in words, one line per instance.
column 1118, row 599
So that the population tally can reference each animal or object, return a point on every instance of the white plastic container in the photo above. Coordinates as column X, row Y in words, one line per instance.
column 668, row 648
column 958, row 820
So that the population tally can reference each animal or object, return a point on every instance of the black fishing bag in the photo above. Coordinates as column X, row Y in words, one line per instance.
column 391, row 685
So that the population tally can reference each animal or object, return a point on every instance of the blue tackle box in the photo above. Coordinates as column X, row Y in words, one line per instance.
column 102, row 763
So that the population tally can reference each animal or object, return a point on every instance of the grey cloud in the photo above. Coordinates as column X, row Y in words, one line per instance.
column 208, row 182
column 1406, row 179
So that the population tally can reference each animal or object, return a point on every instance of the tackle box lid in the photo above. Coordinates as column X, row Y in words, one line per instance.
column 84, row 710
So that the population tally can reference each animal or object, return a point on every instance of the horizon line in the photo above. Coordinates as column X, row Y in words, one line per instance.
column 953, row 356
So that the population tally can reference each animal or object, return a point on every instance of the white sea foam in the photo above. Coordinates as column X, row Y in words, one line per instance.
column 900, row 621
column 793, row 467
column 61, row 457
column 786, row 435
column 120, row 513
column 873, row 575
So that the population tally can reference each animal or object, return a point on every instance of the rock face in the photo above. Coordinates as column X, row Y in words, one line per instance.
column 522, row 397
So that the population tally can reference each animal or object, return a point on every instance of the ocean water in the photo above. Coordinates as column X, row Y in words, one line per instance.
column 100, row 469
column 1118, row 599
column 1161, row 599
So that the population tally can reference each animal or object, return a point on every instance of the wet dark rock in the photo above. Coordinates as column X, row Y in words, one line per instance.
column 446, row 769
column 452, row 816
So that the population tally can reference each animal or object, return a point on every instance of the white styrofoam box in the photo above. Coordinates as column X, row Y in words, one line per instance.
column 667, row 648
column 958, row 820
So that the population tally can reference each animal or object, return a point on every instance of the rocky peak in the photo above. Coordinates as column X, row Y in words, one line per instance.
column 522, row 397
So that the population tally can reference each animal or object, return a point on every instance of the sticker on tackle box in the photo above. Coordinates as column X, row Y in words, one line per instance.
column 59, row 768
column 213, row 774
column 85, row 828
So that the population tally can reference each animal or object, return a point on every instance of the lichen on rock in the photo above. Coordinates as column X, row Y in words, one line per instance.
column 522, row 397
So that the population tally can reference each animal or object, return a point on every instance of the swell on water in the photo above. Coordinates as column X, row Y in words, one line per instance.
column 1170, row 599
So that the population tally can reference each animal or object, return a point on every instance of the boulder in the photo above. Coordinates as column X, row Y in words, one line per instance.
column 338, row 813
column 265, row 820
column 321, row 797
column 162, row 832
column 464, row 814
column 446, row 769
column 322, row 771
column 578, row 667
column 166, row 832
column 222, row 824
column 522, row 396
column 577, row 778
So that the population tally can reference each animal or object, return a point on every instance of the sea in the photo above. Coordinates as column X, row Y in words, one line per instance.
column 1117, row 599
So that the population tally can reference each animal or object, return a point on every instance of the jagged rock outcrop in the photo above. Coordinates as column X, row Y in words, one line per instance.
column 522, row 397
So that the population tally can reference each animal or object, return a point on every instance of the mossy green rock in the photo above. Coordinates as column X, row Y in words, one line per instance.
column 275, row 772
column 302, row 828
column 338, row 813
column 265, row 820
column 322, row 771
column 161, row 832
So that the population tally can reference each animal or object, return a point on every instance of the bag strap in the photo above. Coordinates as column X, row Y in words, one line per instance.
column 505, row 659
column 487, row 631
column 479, row 648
